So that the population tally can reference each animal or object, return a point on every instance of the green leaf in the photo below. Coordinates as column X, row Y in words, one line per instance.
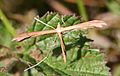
column 91, row 63
column 81, row 60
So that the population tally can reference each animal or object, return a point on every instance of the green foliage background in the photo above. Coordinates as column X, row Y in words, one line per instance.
column 82, row 60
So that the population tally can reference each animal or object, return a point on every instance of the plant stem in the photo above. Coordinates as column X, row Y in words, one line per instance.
column 7, row 24
column 82, row 9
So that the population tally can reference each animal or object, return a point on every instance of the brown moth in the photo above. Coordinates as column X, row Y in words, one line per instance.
column 59, row 30
column 85, row 25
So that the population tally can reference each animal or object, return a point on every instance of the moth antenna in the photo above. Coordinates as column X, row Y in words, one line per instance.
column 43, row 23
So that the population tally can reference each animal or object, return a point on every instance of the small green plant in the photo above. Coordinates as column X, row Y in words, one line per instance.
column 62, row 47
column 54, row 33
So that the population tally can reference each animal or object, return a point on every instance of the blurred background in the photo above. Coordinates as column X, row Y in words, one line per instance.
column 17, row 15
